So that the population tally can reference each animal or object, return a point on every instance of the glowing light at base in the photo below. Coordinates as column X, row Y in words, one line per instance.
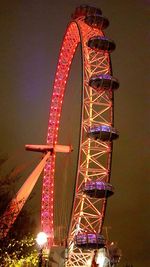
column 41, row 239
column 101, row 258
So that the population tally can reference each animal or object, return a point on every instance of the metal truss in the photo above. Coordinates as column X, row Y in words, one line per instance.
column 68, row 49
column 94, row 161
column 95, row 156
column 16, row 204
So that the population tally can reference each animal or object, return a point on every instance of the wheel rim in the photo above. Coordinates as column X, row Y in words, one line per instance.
column 94, row 162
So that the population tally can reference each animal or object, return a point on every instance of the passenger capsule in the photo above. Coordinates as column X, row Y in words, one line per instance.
column 103, row 82
column 97, row 21
column 89, row 241
column 85, row 10
column 98, row 189
column 99, row 43
column 103, row 133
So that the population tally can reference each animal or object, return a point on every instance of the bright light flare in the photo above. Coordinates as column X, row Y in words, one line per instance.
column 41, row 238
column 101, row 257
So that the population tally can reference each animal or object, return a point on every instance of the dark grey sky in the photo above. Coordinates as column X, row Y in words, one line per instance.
column 31, row 34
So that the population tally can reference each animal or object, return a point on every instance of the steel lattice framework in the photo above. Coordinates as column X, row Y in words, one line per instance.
column 94, row 161
column 95, row 154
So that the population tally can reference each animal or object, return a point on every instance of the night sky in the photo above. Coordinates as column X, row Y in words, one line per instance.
column 31, row 33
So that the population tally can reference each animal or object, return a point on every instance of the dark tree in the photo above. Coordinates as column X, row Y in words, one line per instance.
column 19, row 241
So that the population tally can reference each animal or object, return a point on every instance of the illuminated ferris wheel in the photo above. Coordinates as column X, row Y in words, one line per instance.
column 97, row 132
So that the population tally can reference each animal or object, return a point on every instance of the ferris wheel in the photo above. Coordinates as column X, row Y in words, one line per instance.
column 92, row 187
column 97, row 132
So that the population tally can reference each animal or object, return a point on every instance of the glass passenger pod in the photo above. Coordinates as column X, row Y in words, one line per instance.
column 98, row 189
column 104, row 82
column 101, row 43
column 103, row 133
column 89, row 241
column 85, row 10
column 97, row 21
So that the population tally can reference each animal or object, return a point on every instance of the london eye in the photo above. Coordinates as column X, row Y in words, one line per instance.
column 97, row 133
